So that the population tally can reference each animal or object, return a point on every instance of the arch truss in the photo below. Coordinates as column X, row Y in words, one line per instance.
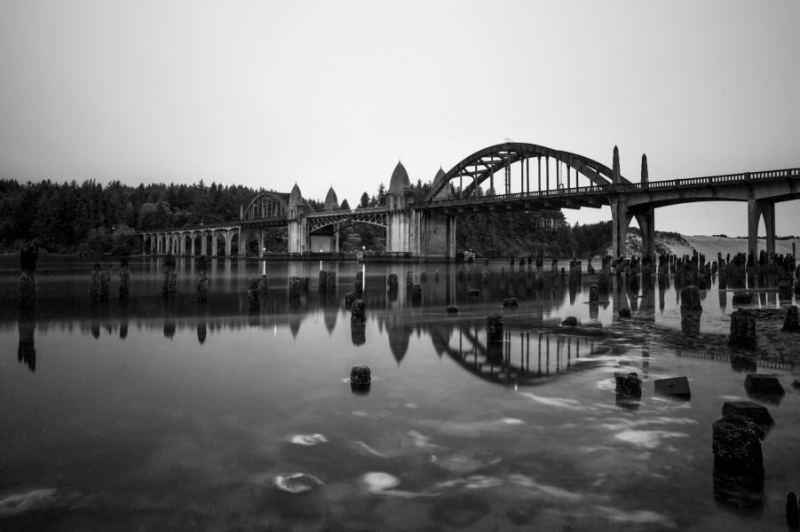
column 369, row 215
column 554, row 169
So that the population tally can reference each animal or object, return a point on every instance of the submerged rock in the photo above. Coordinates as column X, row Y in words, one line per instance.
column 308, row 439
column 297, row 482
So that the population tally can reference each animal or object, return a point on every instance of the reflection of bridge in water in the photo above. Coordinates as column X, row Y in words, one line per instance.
column 427, row 228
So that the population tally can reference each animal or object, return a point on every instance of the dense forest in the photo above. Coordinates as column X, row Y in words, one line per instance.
column 93, row 219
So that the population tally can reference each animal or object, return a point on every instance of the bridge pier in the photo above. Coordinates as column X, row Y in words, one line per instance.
column 755, row 210
column 620, row 220
column 646, row 220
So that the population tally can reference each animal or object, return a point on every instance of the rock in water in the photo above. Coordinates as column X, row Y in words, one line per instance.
column 297, row 482
column 378, row 481
column 308, row 439
column 570, row 321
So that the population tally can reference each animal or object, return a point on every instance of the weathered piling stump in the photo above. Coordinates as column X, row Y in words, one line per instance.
column 253, row 299
column 295, row 287
column 416, row 294
column 202, row 287
column 94, row 283
column 736, row 445
column 323, row 281
column 474, row 292
column 409, row 280
column 494, row 329
column 124, row 291
column 423, row 277
column 570, row 321
column 785, row 290
column 28, row 256
column 690, row 298
column 624, row 312
column 792, row 511
column 358, row 286
column 594, row 294
column 675, row 386
column 170, row 285
column 358, row 311
column 510, row 302
column 349, row 297
column 628, row 384
column 742, row 298
column 791, row 323
column 753, row 411
column 391, row 281
column 360, row 380
column 763, row 384
column 105, row 284
column 263, row 284
column 452, row 309
column 743, row 330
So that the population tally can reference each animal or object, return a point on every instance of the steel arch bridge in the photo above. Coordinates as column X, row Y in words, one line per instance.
column 484, row 164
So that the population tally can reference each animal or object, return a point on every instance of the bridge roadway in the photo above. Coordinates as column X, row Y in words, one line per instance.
column 427, row 228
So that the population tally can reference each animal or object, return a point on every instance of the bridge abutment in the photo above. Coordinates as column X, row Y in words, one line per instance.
column 620, row 219
column 646, row 220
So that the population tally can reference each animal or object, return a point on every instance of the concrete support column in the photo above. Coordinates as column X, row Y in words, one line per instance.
column 336, row 238
column 242, row 251
column 203, row 243
column 214, row 243
column 646, row 221
column 755, row 210
column 192, row 236
column 261, row 242
column 228, row 243
column 620, row 219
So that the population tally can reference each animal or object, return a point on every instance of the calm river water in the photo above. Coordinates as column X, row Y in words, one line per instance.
column 176, row 415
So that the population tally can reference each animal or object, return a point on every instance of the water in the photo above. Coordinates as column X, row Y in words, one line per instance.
column 178, row 415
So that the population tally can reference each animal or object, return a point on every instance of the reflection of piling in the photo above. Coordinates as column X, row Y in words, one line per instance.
column 26, row 351
column 202, row 287
column 296, row 287
column 358, row 286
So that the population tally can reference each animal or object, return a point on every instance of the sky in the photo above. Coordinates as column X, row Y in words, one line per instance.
column 319, row 93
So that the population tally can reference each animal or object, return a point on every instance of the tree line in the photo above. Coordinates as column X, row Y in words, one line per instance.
column 91, row 218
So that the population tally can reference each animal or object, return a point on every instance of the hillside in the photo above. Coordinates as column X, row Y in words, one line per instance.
column 707, row 245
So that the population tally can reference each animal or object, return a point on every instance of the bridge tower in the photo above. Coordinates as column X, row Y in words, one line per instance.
column 298, row 223
column 621, row 214
column 398, row 216
column 327, row 239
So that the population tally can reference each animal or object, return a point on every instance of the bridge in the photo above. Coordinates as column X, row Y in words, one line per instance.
column 427, row 228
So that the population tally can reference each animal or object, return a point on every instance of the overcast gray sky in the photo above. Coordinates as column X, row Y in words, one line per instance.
column 324, row 93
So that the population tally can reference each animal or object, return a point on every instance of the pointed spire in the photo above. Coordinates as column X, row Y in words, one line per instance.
column 331, row 201
column 615, row 166
column 645, row 173
column 399, row 182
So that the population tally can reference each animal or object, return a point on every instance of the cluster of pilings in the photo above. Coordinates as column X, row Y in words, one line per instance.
column 100, row 283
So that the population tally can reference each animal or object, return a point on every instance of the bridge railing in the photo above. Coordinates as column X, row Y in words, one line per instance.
column 717, row 179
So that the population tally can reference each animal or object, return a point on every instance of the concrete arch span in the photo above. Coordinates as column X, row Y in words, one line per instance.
column 266, row 205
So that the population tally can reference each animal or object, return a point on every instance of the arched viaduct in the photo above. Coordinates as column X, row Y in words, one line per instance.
column 503, row 177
